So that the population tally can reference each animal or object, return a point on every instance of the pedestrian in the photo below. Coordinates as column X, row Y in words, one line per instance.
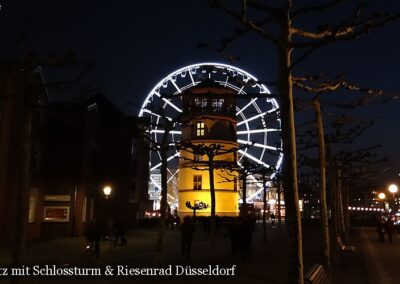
column 233, row 233
column 272, row 219
column 119, row 232
column 246, row 234
column 93, row 235
column 177, row 221
column 389, row 226
column 187, row 232
column 380, row 228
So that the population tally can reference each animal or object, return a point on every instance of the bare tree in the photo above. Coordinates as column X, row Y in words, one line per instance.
column 26, row 69
column 211, row 151
column 287, row 37
column 167, row 124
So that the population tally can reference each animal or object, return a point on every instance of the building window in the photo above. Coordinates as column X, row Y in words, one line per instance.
column 84, row 206
column 198, row 158
column 200, row 129
column 217, row 103
column 197, row 182
column 32, row 209
column 200, row 102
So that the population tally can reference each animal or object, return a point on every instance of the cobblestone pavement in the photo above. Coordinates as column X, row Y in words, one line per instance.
column 373, row 262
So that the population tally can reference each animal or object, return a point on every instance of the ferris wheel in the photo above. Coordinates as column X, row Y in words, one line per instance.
column 258, row 121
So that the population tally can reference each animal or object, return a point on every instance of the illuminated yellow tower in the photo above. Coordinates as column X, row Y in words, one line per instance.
column 208, row 118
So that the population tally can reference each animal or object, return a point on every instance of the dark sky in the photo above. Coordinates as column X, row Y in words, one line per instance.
column 134, row 44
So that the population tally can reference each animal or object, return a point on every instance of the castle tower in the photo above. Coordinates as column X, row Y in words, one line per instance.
column 208, row 118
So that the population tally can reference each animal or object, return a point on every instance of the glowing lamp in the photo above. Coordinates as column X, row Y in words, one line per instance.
column 393, row 188
column 381, row 195
column 107, row 191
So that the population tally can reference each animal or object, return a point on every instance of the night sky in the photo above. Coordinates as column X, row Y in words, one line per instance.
column 134, row 44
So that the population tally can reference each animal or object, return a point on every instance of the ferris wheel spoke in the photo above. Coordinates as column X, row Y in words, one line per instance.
column 226, row 81
column 169, row 159
column 168, row 102
column 257, row 116
column 264, row 130
column 156, row 114
column 246, row 106
column 154, row 182
column 163, row 131
column 254, row 158
column 170, row 196
column 175, row 85
column 173, row 174
column 249, row 143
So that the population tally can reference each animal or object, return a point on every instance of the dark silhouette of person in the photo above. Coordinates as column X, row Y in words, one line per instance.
column 93, row 235
column 119, row 233
column 177, row 221
column 272, row 219
column 187, row 231
column 246, row 235
column 233, row 232
column 380, row 228
column 390, row 228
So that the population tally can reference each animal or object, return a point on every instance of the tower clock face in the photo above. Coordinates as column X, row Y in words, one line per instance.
column 256, row 110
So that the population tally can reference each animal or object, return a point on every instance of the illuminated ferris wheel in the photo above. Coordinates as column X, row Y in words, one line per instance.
column 258, row 122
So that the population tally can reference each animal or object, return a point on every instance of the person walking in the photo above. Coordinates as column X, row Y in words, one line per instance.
column 233, row 233
column 93, row 235
column 389, row 225
column 187, row 231
column 272, row 219
column 380, row 228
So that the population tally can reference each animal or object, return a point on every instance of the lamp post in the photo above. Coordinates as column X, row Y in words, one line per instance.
column 382, row 197
column 107, row 192
column 393, row 189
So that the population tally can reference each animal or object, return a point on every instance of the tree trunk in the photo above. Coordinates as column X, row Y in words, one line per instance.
column 322, row 191
column 342, row 228
column 164, row 196
column 264, row 209
column 244, row 195
column 289, row 170
column 346, row 212
column 279, row 215
column 334, row 206
column 212, row 195
column 21, row 216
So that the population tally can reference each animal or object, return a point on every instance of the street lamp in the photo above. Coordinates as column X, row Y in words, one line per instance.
column 382, row 196
column 393, row 189
column 107, row 191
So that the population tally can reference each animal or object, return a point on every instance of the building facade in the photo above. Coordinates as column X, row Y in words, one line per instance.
column 75, row 150
column 208, row 120
column 23, row 100
column 92, row 144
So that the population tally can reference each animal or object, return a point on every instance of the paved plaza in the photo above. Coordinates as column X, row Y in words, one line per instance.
column 373, row 261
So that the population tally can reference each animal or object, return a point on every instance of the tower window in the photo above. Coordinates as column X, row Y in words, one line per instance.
column 197, row 182
column 217, row 103
column 197, row 158
column 200, row 129
column 200, row 102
